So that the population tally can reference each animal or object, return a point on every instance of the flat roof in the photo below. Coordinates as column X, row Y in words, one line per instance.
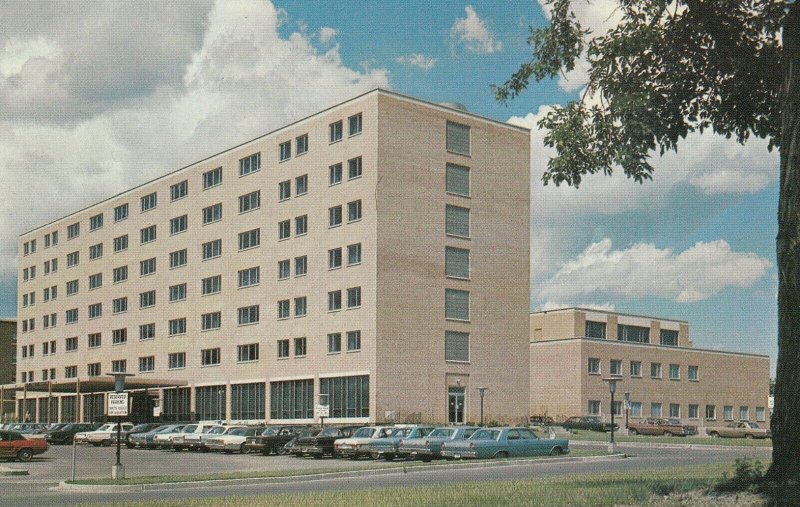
column 597, row 310
column 93, row 385
column 648, row 345
column 380, row 91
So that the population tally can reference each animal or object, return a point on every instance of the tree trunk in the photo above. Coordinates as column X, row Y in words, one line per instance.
column 786, row 416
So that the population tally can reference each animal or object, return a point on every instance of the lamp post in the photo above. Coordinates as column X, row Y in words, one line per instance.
column 627, row 407
column 612, row 388
column 118, row 471
column 482, row 391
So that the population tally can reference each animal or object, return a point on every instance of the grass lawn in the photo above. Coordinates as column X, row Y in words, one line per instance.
column 605, row 489
column 155, row 479
column 604, row 437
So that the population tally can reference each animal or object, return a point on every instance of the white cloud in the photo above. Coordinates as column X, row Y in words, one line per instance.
column 326, row 34
column 604, row 307
column 472, row 33
column 417, row 60
column 643, row 270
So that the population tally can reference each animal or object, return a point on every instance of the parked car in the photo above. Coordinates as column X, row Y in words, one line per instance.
column 211, row 433
column 67, row 432
column 430, row 446
column 103, row 434
column 163, row 439
column 233, row 440
column 541, row 420
column 321, row 444
column 659, row 426
column 274, row 438
column 591, row 422
column 189, row 437
column 139, row 428
column 387, row 447
column 29, row 430
column 145, row 439
column 741, row 429
column 504, row 443
column 357, row 445
column 15, row 445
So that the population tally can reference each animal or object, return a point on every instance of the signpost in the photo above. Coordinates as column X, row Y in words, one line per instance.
column 118, row 406
column 322, row 409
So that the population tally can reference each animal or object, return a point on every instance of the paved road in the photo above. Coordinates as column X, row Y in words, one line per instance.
column 38, row 491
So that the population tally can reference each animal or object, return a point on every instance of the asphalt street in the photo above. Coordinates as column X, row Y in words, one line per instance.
column 39, row 490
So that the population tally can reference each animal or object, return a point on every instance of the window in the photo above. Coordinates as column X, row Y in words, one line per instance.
column 147, row 364
column 594, row 407
column 33, row 272
column 247, row 352
column 283, row 349
column 147, row 266
column 149, row 201
column 120, row 243
column 636, row 368
column 301, row 184
column 284, row 229
column 73, row 231
column 335, row 131
column 211, row 320
column 727, row 413
column 283, row 309
column 334, row 300
column 178, row 224
column 299, row 347
column 283, row 269
column 147, row 234
column 95, row 340
column 93, row 369
column 334, row 216
column 213, row 177
column 456, row 262
column 211, row 285
column 354, row 297
column 301, row 144
column 292, row 399
column 147, row 331
column 209, row 357
column 615, row 368
column 177, row 326
column 54, row 236
column 693, row 374
column 456, row 346
column 334, row 258
column 54, row 265
column 300, row 306
column 176, row 360
column 96, row 222
column 595, row 329
column 301, row 225
column 250, row 164
column 458, row 138
column 347, row 396
column 617, row 408
column 71, row 344
column 212, row 213
column 760, row 414
column 121, row 212
column 120, row 274
column 335, row 174
column 178, row 190
column 636, row 409
column 284, row 190
column 95, row 310
column 119, row 366
column 249, row 202
column 119, row 336
column 95, row 281
column 633, row 333
column 212, row 249
column 354, row 211
column 249, row 239
column 285, row 150
column 711, row 412
column 178, row 259
column 249, row 277
column 73, row 259
column 300, row 265
column 354, row 123
column 353, row 341
column 457, row 221
column 694, row 411
column 594, row 366
column 669, row 337
column 354, row 254
column 177, row 292
column 674, row 410
column 248, row 315
column 655, row 370
column 70, row 371
column 744, row 413
column 457, row 180
column 334, row 343
column 456, row 304
column 147, row 299
column 354, row 168
column 674, row 372
column 655, row 409
column 119, row 305
column 72, row 287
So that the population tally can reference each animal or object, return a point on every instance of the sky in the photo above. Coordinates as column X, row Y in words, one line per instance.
column 97, row 97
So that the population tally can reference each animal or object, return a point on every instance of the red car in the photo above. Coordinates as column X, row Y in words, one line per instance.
column 15, row 446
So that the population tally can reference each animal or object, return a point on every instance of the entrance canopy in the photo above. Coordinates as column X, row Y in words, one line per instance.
column 92, row 385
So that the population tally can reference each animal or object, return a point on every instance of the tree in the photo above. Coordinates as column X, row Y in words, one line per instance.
column 671, row 67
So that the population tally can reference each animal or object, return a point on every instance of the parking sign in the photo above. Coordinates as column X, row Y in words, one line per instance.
column 118, row 404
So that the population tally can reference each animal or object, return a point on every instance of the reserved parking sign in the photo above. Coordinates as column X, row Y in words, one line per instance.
column 117, row 404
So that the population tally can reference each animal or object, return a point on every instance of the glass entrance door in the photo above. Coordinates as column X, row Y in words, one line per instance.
column 455, row 405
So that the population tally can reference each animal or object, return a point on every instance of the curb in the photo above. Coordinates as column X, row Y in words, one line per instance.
column 106, row 488
column 659, row 445
column 5, row 471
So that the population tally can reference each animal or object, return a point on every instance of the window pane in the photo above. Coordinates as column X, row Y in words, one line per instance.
column 458, row 138
column 457, row 179
column 456, row 346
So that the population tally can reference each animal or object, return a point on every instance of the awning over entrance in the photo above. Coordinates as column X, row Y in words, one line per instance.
column 92, row 385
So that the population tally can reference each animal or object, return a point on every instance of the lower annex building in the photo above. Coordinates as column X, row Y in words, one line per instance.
column 362, row 254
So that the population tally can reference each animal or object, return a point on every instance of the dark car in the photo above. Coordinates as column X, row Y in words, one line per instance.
column 273, row 439
column 66, row 433
column 541, row 420
column 139, row 428
column 321, row 444
column 593, row 423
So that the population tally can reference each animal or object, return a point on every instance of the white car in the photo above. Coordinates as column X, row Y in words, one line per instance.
column 358, row 445
column 104, row 434
column 163, row 439
column 189, row 437
column 198, row 441
column 233, row 439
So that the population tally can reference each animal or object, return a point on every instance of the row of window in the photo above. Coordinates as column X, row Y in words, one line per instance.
column 629, row 333
column 615, row 369
column 656, row 410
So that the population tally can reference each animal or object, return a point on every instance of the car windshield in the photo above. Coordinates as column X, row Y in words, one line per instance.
column 674, row 421
column 485, row 435
column 364, row 433
column 237, row 431
column 68, row 427
column 190, row 428
column 269, row 432
column 754, row 426
column 163, row 429
column 401, row 432
column 231, row 430
column 329, row 432
column 593, row 419
column 216, row 430
column 105, row 427
column 442, row 432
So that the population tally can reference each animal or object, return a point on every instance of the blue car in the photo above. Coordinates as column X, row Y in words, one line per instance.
column 430, row 446
column 387, row 447
column 504, row 443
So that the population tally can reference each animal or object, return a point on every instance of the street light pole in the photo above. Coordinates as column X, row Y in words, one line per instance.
column 482, row 391
column 627, row 407
column 612, row 387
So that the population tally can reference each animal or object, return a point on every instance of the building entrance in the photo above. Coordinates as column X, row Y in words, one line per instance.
column 455, row 405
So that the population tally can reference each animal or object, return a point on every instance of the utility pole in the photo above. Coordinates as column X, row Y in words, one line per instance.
column 482, row 391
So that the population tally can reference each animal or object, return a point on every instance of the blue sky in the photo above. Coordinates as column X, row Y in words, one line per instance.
column 89, row 108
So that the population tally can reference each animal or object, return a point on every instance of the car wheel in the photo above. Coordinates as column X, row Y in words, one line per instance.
column 96, row 444
column 203, row 449
column 25, row 455
column 228, row 451
column 633, row 431
column 714, row 434
column 748, row 436
column 374, row 455
column 501, row 455
column 129, row 445
column 242, row 449
column 556, row 451
column 668, row 434
column 316, row 456
column 425, row 460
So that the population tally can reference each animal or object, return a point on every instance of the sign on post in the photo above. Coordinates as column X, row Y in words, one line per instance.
column 321, row 411
column 117, row 404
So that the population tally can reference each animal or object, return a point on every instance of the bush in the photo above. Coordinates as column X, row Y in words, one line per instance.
column 748, row 474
